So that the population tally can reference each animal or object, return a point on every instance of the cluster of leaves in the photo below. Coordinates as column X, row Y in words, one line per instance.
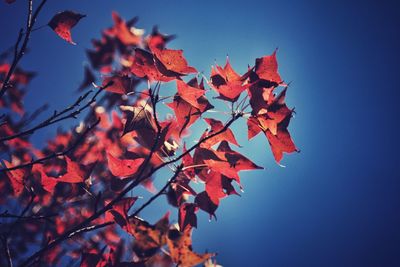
column 69, row 199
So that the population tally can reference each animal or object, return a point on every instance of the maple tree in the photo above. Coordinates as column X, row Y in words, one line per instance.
column 73, row 198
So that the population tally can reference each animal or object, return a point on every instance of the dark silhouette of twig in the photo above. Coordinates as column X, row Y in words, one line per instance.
column 70, row 112
column 57, row 154
column 140, row 178
column 19, row 53
column 159, row 193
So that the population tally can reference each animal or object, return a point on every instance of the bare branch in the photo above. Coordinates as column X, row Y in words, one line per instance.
column 159, row 193
column 140, row 178
column 6, row 251
column 19, row 53
column 69, row 112
column 57, row 154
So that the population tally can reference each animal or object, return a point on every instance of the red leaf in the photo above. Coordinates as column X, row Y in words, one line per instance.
column 217, row 126
column 143, row 65
column 214, row 187
column 88, row 79
column 173, row 62
column 229, row 162
column 189, row 94
column 187, row 216
column 205, row 203
column 48, row 183
column 281, row 142
column 227, row 82
column 157, row 40
column 74, row 173
column 119, row 213
column 180, row 248
column 123, row 168
column 122, row 31
column 16, row 178
column 120, row 84
column 267, row 68
column 63, row 22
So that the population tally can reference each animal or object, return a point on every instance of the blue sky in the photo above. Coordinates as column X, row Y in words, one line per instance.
column 337, row 203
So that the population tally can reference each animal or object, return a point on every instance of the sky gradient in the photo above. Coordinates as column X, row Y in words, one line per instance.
column 337, row 203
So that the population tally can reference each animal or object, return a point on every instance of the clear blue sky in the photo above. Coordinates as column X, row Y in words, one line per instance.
column 337, row 203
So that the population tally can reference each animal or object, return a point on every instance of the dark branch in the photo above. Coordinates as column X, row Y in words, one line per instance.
column 57, row 154
column 19, row 53
column 69, row 112
column 159, row 193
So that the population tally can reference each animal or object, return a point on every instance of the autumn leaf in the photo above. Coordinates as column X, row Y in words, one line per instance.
column 123, row 168
column 227, row 82
column 143, row 65
column 149, row 238
column 217, row 126
column 172, row 63
column 281, row 142
column 63, row 22
column 16, row 178
column 124, row 32
column 74, row 173
column 267, row 69
column 180, row 248
column 187, row 215
column 119, row 213
column 120, row 84
column 88, row 79
column 157, row 40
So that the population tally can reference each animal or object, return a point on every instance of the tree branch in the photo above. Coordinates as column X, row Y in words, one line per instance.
column 140, row 178
column 60, row 116
column 7, row 251
column 18, row 54
column 54, row 155
column 159, row 193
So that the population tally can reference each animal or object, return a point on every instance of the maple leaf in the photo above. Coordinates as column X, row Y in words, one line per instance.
column 103, row 54
column 88, row 79
column 190, row 94
column 119, row 213
column 187, row 215
column 267, row 69
column 74, row 173
column 149, row 238
column 180, row 248
column 188, row 104
column 16, row 178
column 120, row 84
column 204, row 202
column 138, row 118
column 143, row 65
column 124, row 32
column 123, row 168
column 227, row 82
column 217, row 126
column 172, row 63
column 156, row 40
column 63, row 22
column 281, row 142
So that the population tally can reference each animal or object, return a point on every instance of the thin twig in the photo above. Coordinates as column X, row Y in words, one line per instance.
column 69, row 112
column 57, row 154
column 19, row 53
column 159, row 193
column 7, row 251
column 140, row 178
